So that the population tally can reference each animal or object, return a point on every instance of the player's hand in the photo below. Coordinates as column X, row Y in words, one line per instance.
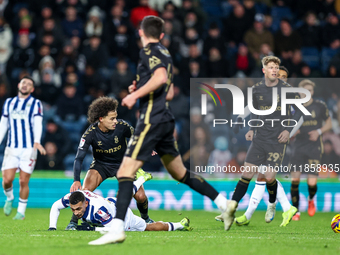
column 40, row 148
column 313, row 135
column 85, row 227
column 132, row 87
column 129, row 101
column 283, row 137
column 75, row 186
column 51, row 229
column 237, row 127
column 249, row 136
column 153, row 153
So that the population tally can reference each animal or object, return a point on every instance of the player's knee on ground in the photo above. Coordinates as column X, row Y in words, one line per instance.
column 157, row 226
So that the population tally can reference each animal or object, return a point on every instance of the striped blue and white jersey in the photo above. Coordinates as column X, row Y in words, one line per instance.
column 24, row 121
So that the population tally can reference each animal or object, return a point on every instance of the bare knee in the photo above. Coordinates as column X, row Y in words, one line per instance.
column 23, row 182
column 7, row 181
column 140, row 196
column 296, row 181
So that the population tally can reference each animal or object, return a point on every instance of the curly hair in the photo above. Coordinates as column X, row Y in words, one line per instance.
column 101, row 108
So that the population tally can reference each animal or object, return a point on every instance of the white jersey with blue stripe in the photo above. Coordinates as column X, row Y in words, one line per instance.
column 21, row 113
column 99, row 212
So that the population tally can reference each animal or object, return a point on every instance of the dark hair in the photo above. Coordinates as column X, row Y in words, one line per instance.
column 100, row 108
column 76, row 197
column 152, row 26
column 29, row 78
column 284, row 69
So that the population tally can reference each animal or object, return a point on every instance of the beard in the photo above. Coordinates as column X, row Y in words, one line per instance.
column 24, row 93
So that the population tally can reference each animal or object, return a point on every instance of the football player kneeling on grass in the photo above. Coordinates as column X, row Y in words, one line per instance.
column 99, row 212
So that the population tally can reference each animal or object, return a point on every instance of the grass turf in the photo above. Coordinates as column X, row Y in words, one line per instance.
column 308, row 236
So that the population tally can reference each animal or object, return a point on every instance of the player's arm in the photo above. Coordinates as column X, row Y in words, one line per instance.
column 37, row 127
column 84, row 145
column 314, row 134
column 54, row 213
column 158, row 78
column 171, row 93
column 4, row 121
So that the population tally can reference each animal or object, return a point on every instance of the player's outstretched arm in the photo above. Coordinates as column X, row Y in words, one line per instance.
column 54, row 214
column 158, row 79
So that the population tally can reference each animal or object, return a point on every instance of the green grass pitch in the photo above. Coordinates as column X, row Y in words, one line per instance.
column 311, row 235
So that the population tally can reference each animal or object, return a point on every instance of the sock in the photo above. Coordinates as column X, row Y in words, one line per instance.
column 221, row 202
column 282, row 198
column 198, row 184
column 255, row 199
column 174, row 226
column 74, row 219
column 312, row 191
column 143, row 209
column 272, row 190
column 241, row 189
column 137, row 184
column 124, row 196
column 9, row 193
column 22, row 206
column 294, row 192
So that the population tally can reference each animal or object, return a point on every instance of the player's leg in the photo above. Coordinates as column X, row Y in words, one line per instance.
column 255, row 199
column 8, row 176
column 169, row 226
column 271, row 184
column 294, row 192
column 23, row 195
column 312, row 188
column 142, row 204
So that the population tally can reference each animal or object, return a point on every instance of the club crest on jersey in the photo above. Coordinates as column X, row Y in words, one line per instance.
column 116, row 139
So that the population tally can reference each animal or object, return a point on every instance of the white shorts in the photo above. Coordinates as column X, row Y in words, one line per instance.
column 22, row 159
column 133, row 222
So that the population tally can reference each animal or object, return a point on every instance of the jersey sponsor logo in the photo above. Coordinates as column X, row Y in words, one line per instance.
column 154, row 61
column 82, row 142
column 111, row 150
column 18, row 114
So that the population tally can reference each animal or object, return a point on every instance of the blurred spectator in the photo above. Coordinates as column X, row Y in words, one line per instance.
column 172, row 25
column 23, row 55
column 138, row 13
column 75, row 4
column 121, row 78
column 49, row 26
column 50, row 40
column 94, row 24
column 220, row 156
column 310, row 31
column 295, row 64
column 191, row 38
column 334, row 67
column 201, row 147
column 47, row 80
column 214, row 40
column 329, row 157
column 6, row 50
column 257, row 36
column 250, row 10
column 70, row 55
column 52, row 160
column 238, row 160
column 242, row 61
column 93, row 80
column 190, row 6
column 96, row 53
column 69, row 104
column 236, row 25
column 191, row 21
column 3, row 94
column 179, row 105
column 43, row 51
column 216, row 65
column 72, row 25
column 286, row 40
column 57, row 135
column 331, row 32
column 158, row 5
column 6, row 9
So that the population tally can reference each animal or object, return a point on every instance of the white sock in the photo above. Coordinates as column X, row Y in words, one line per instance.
column 221, row 202
column 9, row 193
column 282, row 198
column 255, row 199
column 174, row 226
column 22, row 206
column 137, row 184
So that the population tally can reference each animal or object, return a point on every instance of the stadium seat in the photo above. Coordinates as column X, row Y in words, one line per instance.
column 311, row 56
column 326, row 55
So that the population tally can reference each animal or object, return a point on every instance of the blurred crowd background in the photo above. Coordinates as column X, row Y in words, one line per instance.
column 78, row 50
